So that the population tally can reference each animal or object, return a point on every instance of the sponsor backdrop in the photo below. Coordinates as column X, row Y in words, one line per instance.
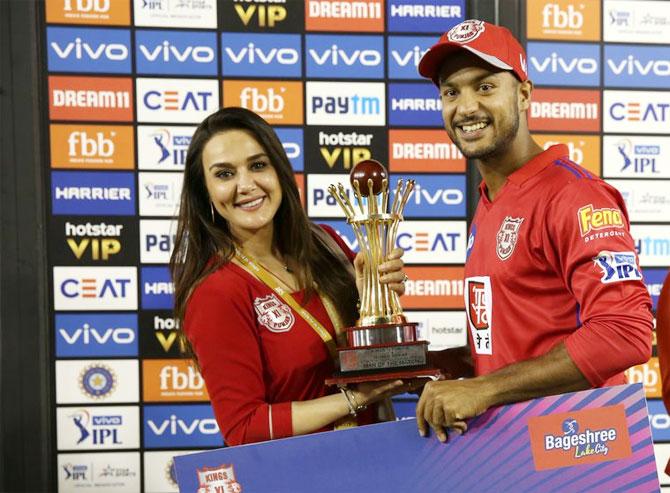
column 128, row 81
column 602, row 69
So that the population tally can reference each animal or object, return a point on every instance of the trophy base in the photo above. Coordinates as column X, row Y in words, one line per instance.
column 342, row 379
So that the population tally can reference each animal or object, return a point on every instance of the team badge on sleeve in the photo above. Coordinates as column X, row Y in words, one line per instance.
column 478, row 306
column 273, row 314
column 507, row 236
column 617, row 266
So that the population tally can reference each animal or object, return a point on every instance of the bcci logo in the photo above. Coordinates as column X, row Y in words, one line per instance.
column 273, row 314
column 97, row 381
column 218, row 479
column 507, row 236
column 466, row 31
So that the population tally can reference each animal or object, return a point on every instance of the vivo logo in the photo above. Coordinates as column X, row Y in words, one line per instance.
column 82, row 50
column 336, row 56
column 449, row 196
column 252, row 53
column 557, row 64
column 410, row 57
column 632, row 66
column 167, row 52
column 176, row 426
column 90, row 335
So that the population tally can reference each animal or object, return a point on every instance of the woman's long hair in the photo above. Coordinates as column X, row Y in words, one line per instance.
column 203, row 242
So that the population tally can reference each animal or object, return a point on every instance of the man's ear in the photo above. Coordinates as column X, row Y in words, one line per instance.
column 525, row 89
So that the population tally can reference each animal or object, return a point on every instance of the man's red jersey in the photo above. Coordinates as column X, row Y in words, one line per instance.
column 551, row 260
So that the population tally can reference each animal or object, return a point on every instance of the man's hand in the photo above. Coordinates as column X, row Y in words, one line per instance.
column 449, row 403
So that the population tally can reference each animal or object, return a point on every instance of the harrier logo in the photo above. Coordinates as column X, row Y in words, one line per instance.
column 424, row 15
column 414, row 105
column 617, row 266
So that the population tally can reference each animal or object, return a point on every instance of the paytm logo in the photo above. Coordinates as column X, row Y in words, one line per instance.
column 434, row 195
column 636, row 111
column 263, row 55
column 292, row 140
column 190, row 425
column 346, row 103
column 424, row 15
column 80, row 335
column 176, row 100
column 404, row 53
column 77, row 49
column 348, row 57
column 93, row 193
column 176, row 52
column 157, row 288
column 95, row 288
column 652, row 244
column 319, row 202
column 637, row 66
column 432, row 242
column 653, row 279
column 159, row 193
column 163, row 148
column 157, row 237
column 415, row 105
column 568, row 64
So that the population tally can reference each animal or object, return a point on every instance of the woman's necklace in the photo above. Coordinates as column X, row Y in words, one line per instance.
column 286, row 268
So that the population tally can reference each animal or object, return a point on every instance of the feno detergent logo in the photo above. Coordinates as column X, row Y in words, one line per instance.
column 585, row 436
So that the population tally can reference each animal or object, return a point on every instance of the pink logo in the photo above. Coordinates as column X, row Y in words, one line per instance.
column 273, row 314
column 218, row 480
column 466, row 31
column 507, row 236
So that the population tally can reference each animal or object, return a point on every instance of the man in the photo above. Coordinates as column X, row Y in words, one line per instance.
column 554, row 296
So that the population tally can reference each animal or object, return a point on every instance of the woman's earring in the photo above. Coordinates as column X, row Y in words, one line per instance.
column 211, row 209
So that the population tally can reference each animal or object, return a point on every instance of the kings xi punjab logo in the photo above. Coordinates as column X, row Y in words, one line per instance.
column 218, row 480
column 478, row 302
column 507, row 236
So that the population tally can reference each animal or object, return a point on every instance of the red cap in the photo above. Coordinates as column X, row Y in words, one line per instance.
column 493, row 44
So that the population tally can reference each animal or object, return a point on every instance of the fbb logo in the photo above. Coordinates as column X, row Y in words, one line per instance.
column 568, row 64
column 582, row 149
column 404, row 54
column 565, row 110
column 87, row 12
column 172, row 380
column 100, row 427
column 350, row 57
column 339, row 103
column 95, row 334
column 88, row 50
column 92, row 146
column 563, row 19
column 278, row 102
column 649, row 375
column 636, row 111
column 292, row 141
column 157, row 239
column 264, row 55
column 415, row 104
column 426, row 17
column 584, row 436
column 181, row 426
column 77, row 193
column 95, row 288
column 424, row 150
column 176, row 52
column 176, row 100
column 636, row 156
column 427, row 242
column 90, row 98
column 157, row 288
column 331, row 15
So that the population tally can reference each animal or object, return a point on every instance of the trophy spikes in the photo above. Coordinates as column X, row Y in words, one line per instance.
column 376, row 229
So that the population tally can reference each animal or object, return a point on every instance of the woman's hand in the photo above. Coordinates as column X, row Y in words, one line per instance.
column 391, row 271
column 367, row 393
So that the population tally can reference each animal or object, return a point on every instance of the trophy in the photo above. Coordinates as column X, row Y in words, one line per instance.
column 383, row 344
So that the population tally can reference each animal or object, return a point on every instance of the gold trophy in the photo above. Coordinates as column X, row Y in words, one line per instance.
column 383, row 344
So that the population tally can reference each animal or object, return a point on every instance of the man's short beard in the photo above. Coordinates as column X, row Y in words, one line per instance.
column 498, row 146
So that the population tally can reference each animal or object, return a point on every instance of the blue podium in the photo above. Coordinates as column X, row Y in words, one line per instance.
column 596, row 440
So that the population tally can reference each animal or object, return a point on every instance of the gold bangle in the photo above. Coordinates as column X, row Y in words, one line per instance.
column 357, row 406
column 352, row 408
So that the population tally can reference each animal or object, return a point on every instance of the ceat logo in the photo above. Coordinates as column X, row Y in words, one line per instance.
column 331, row 15
column 635, row 111
column 586, row 436
column 90, row 98
column 479, row 307
column 94, row 288
column 108, row 12
column 220, row 478
column 92, row 146
column 424, row 151
column 563, row 19
column 176, row 100
column 278, row 102
column 427, row 242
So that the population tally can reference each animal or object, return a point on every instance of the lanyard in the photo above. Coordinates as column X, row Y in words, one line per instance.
column 270, row 281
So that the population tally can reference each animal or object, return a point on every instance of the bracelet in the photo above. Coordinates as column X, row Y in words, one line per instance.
column 354, row 407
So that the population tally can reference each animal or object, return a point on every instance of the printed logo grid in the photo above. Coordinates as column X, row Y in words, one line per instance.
column 602, row 76
column 128, row 81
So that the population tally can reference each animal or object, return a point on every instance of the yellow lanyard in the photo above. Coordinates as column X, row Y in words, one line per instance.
column 267, row 278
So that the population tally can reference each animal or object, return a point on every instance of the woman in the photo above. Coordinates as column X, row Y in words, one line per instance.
column 245, row 266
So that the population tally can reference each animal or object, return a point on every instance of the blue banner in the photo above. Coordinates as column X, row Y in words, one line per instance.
column 564, row 64
column 415, row 104
column 84, row 335
column 176, row 52
column 79, row 49
column 404, row 54
column 180, row 426
column 93, row 193
column 434, row 195
column 345, row 57
column 637, row 66
column 415, row 16
column 261, row 55
column 157, row 288
column 292, row 140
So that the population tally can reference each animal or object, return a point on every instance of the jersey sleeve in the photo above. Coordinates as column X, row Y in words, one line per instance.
column 340, row 242
column 589, row 243
column 220, row 324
